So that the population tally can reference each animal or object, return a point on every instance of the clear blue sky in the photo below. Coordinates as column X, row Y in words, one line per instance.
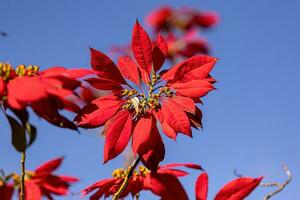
column 251, row 122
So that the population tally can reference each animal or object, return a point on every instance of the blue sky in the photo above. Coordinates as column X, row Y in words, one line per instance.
column 250, row 122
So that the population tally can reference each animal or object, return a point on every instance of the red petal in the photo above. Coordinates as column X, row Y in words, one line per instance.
column 201, row 188
column 142, row 48
column 195, row 119
column 6, row 192
column 98, row 112
column 142, row 132
column 185, row 69
column 105, row 67
column 98, row 185
column 49, row 166
column 72, row 73
column 188, row 165
column 160, row 52
column 129, row 69
column 104, row 84
column 117, row 135
column 2, row 88
column 187, row 104
column 25, row 90
column 195, row 88
column 176, row 118
column 175, row 172
column 166, row 186
column 153, row 151
column 238, row 189
column 32, row 191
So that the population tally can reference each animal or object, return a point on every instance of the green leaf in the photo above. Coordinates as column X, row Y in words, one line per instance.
column 31, row 130
column 18, row 134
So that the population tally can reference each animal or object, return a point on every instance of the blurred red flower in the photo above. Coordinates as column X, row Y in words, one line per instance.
column 42, row 181
column 237, row 189
column 132, row 111
column 168, row 19
column 44, row 91
column 163, row 183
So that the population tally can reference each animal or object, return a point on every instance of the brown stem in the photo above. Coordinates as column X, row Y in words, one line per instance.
column 22, row 184
column 280, row 186
column 126, row 180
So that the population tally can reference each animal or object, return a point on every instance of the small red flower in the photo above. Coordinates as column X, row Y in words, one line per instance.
column 6, row 191
column 44, row 91
column 163, row 183
column 140, row 97
column 42, row 181
column 237, row 189
column 168, row 19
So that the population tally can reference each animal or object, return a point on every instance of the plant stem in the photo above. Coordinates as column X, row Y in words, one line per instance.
column 22, row 192
column 126, row 180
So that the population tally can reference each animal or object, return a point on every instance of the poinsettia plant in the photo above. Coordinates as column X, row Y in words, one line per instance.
column 141, row 95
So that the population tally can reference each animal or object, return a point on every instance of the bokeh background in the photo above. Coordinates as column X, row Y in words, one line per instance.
column 251, row 123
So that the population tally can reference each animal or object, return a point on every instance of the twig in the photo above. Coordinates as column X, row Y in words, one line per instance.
column 235, row 172
column 280, row 186
column 126, row 180
column 22, row 187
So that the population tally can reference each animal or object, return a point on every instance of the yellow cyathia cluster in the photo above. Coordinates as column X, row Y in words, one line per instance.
column 122, row 173
column 7, row 71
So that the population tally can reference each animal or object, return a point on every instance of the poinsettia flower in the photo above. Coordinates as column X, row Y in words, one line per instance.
column 45, row 91
column 164, row 182
column 237, row 189
column 43, row 183
column 141, row 96
column 168, row 19
column 185, row 47
column 6, row 191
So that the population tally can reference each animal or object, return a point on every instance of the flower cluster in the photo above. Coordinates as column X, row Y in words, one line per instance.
column 142, row 95
column 38, row 183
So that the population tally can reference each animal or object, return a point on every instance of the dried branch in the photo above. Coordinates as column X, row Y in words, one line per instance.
column 280, row 186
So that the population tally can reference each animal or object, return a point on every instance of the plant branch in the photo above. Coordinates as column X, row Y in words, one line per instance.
column 22, row 184
column 126, row 180
column 280, row 186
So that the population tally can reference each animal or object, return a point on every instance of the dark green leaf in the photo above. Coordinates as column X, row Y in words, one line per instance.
column 18, row 134
column 31, row 130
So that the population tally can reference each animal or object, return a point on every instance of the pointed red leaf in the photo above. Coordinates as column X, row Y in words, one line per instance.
column 176, row 118
column 104, row 84
column 152, row 152
column 142, row 132
column 238, row 189
column 201, row 188
column 142, row 48
column 195, row 88
column 182, row 71
column 160, row 52
column 166, row 186
column 129, row 69
column 49, row 166
column 98, row 112
column 105, row 67
column 32, row 191
column 188, row 165
column 187, row 104
column 117, row 134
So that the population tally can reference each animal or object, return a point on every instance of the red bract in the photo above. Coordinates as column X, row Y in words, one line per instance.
column 44, row 91
column 131, row 111
column 168, row 19
column 6, row 191
column 237, row 189
column 42, row 182
column 163, row 183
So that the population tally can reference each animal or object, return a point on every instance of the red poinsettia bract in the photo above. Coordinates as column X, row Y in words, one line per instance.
column 42, row 181
column 44, row 91
column 237, row 189
column 134, row 106
column 6, row 191
column 163, row 183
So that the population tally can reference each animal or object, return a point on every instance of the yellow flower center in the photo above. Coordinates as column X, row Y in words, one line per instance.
column 7, row 71
column 121, row 173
